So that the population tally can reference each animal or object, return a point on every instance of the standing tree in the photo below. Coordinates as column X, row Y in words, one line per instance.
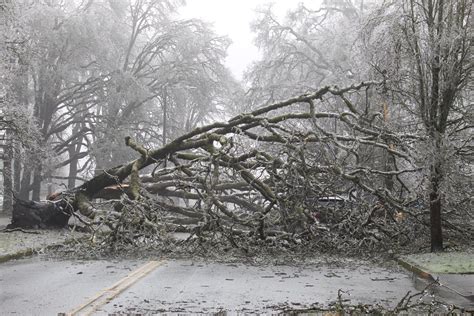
column 51, row 49
column 424, row 49
column 18, row 130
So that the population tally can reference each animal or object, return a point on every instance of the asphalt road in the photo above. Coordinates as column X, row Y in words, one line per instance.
column 36, row 286
column 184, row 286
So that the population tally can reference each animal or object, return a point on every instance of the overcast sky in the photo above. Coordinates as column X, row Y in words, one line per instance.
column 232, row 18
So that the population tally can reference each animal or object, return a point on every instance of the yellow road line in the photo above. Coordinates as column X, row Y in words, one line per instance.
column 107, row 295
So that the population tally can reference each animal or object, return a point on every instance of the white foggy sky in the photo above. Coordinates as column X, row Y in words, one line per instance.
column 233, row 18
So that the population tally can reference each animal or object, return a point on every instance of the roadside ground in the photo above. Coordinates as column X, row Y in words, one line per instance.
column 18, row 243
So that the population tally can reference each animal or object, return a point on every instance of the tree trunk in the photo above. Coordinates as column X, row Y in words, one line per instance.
column 25, row 183
column 388, row 160
column 17, row 173
column 435, row 210
column 73, row 151
column 7, row 175
column 37, row 184
column 165, row 119
column 71, row 182
column 30, row 214
column 165, row 116
column 435, row 221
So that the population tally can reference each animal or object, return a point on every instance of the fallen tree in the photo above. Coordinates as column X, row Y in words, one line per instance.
column 285, row 169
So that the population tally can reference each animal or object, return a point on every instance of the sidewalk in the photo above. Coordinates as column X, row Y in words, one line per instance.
column 453, row 271
column 18, row 244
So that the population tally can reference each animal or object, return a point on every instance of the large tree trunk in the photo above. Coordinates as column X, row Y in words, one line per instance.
column 435, row 208
column 435, row 221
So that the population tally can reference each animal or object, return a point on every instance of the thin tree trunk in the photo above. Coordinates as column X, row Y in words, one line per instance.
column 7, row 175
column 165, row 118
column 25, row 184
column 73, row 151
column 17, row 172
column 388, row 160
column 37, row 184
column 71, row 182
column 21, row 95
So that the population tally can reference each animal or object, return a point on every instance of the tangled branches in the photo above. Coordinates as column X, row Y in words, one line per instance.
column 417, row 303
column 291, row 170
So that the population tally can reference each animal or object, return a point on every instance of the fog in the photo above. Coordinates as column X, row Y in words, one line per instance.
column 233, row 19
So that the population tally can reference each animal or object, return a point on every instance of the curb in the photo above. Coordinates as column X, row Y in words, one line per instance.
column 416, row 270
column 18, row 255
column 27, row 252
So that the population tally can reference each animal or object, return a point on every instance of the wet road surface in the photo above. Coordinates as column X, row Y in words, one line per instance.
column 46, row 287
column 184, row 286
